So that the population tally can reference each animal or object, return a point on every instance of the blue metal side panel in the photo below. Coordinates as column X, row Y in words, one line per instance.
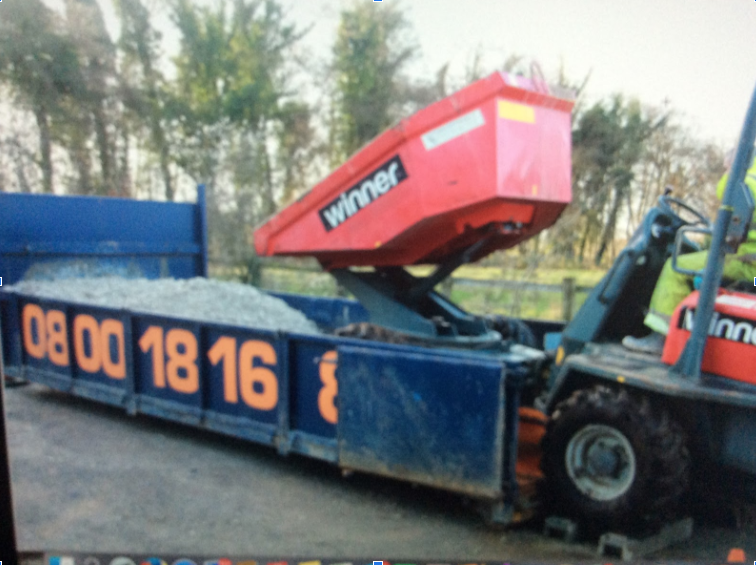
column 167, row 382
column 253, row 392
column 155, row 365
column 11, row 340
column 739, row 440
column 307, row 364
column 200, row 231
column 37, row 336
column 328, row 313
column 121, row 236
column 423, row 417
column 93, row 346
column 432, row 417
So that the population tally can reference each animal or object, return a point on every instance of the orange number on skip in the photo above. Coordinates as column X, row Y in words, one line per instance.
column 51, row 335
column 327, row 395
column 100, row 356
column 181, row 349
column 242, row 376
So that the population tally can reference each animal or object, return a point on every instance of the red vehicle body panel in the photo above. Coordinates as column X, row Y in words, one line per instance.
column 496, row 152
column 731, row 348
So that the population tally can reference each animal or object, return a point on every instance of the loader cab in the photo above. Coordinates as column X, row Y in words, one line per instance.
column 616, row 306
column 629, row 433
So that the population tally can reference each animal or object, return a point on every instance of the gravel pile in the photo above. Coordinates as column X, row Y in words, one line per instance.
column 194, row 299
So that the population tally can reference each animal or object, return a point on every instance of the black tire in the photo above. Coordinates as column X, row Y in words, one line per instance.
column 607, row 482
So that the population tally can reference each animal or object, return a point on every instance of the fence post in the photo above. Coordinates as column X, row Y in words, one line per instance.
column 568, row 298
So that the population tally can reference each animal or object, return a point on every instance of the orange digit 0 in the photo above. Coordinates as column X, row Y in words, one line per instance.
column 187, row 360
column 113, row 328
column 93, row 363
column 57, row 338
column 249, row 375
column 34, row 314
column 327, row 394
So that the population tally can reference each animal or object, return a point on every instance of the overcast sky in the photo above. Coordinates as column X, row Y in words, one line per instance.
column 699, row 55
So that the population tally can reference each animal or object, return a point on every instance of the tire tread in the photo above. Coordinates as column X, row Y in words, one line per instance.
column 663, row 474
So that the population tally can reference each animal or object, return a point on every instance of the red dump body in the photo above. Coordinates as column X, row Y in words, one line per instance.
column 730, row 350
column 496, row 152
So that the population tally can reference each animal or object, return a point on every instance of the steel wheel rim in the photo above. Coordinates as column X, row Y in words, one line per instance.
column 601, row 462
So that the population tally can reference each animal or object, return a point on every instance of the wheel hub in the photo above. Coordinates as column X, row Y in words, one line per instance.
column 600, row 462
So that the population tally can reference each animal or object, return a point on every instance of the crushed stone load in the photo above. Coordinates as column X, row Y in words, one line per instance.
column 198, row 299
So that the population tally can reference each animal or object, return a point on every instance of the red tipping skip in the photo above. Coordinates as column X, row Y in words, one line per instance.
column 495, row 154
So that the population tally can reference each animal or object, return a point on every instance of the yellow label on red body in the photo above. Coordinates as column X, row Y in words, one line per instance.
column 517, row 112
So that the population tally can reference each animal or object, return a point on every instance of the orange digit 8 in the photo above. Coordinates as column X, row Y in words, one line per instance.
column 57, row 338
column 327, row 394
column 186, row 360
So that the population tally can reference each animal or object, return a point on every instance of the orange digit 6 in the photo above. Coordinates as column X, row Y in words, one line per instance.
column 187, row 360
column 327, row 395
column 267, row 398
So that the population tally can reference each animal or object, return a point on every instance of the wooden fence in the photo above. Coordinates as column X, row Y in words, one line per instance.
column 568, row 289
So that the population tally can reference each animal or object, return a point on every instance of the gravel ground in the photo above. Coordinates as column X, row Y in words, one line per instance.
column 88, row 477
column 195, row 299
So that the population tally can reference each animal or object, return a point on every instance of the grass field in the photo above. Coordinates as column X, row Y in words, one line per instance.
column 521, row 303
column 478, row 299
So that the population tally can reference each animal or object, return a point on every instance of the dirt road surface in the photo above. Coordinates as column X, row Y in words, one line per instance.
column 90, row 478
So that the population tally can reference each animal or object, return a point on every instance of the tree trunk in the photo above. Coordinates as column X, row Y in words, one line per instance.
column 136, row 12
column 608, row 234
column 123, row 174
column 82, row 160
column 584, row 240
column 19, row 161
column 269, row 207
column 103, row 144
column 45, row 147
column 165, row 170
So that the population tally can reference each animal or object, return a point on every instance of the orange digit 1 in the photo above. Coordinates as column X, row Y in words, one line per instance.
column 225, row 349
column 57, row 338
column 249, row 375
column 93, row 363
column 113, row 328
column 153, row 339
column 186, row 360
column 327, row 394
column 33, row 314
